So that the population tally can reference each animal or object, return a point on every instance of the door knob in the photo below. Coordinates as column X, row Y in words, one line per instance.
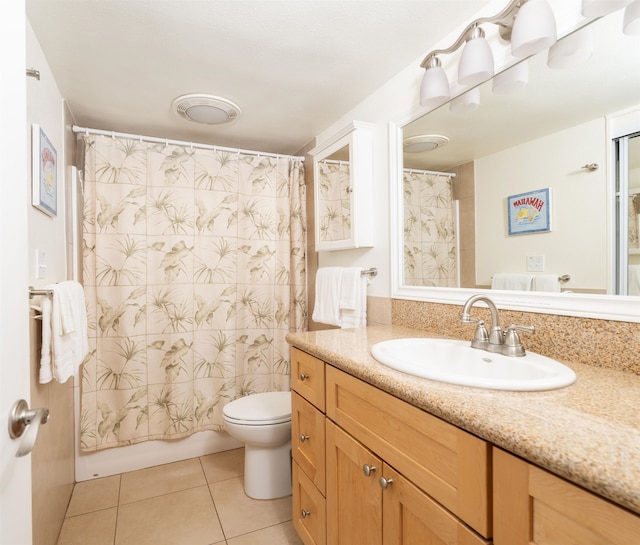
column 22, row 419
column 385, row 483
column 303, row 438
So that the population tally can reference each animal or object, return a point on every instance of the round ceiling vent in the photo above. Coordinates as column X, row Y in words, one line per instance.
column 207, row 109
column 423, row 142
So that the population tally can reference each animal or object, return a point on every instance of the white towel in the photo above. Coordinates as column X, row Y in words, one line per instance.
column 634, row 280
column 64, row 332
column 326, row 309
column 546, row 282
column 356, row 315
column 350, row 288
column 506, row 281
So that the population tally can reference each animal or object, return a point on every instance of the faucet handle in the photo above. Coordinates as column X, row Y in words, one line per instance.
column 481, row 336
column 512, row 344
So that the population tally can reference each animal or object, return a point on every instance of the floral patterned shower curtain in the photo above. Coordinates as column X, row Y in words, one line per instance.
column 194, row 272
column 429, row 230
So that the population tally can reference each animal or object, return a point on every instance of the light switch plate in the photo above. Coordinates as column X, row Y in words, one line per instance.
column 535, row 263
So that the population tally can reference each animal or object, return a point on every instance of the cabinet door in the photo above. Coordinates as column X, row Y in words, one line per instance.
column 308, row 439
column 410, row 517
column 354, row 500
column 534, row 507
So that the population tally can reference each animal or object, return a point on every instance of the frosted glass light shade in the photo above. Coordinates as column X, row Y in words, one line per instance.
column 598, row 8
column 468, row 102
column 512, row 80
column 631, row 23
column 572, row 49
column 476, row 62
column 534, row 29
column 434, row 89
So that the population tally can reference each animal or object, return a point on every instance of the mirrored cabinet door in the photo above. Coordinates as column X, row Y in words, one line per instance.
column 343, row 184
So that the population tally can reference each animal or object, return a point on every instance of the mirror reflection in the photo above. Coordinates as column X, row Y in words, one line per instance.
column 463, row 162
column 334, row 196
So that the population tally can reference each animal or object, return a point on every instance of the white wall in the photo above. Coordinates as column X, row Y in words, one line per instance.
column 577, row 198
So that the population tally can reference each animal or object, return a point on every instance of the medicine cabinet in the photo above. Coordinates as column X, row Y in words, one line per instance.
column 343, row 189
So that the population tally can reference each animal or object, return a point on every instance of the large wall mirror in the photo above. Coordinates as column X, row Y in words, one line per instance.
column 571, row 137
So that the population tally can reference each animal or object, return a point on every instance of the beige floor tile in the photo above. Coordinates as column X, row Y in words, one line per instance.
column 94, row 495
column 240, row 514
column 180, row 518
column 223, row 465
column 165, row 479
column 280, row 534
column 97, row 528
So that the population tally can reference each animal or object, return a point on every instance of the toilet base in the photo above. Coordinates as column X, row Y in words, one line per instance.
column 267, row 471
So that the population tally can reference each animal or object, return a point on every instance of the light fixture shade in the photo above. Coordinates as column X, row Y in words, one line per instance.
column 512, row 80
column 534, row 29
column 434, row 89
column 598, row 8
column 467, row 102
column 476, row 62
column 631, row 23
column 572, row 49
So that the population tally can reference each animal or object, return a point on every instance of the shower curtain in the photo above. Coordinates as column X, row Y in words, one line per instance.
column 194, row 272
column 429, row 230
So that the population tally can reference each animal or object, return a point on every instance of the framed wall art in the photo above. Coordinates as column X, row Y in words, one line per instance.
column 529, row 213
column 44, row 173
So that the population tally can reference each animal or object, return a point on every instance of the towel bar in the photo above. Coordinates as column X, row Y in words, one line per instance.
column 370, row 272
column 33, row 292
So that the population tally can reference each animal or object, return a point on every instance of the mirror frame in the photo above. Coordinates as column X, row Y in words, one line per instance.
column 358, row 137
column 608, row 307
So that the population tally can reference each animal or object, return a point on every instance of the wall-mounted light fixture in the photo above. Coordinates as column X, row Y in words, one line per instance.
column 528, row 24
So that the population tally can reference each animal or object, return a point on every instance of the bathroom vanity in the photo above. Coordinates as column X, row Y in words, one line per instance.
column 381, row 457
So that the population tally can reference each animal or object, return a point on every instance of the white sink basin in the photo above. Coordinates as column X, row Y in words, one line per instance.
column 456, row 362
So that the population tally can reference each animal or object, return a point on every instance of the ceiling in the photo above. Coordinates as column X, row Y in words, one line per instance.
column 292, row 66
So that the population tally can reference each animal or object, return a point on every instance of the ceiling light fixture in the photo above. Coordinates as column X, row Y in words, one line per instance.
column 528, row 24
column 423, row 142
column 207, row 109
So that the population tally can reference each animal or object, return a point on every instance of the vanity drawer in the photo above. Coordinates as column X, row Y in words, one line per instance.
column 307, row 377
column 449, row 464
column 309, row 509
column 308, row 439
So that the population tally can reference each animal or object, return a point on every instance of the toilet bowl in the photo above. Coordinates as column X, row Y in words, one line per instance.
column 263, row 423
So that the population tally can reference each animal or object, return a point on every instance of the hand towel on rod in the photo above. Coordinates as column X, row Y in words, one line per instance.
column 546, row 282
column 64, row 332
column 326, row 309
column 506, row 281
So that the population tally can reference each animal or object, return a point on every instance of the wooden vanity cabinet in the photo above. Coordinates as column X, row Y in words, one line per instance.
column 535, row 507
column 436, row 478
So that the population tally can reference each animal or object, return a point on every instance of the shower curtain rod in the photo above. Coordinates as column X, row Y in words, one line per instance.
column 434, row 172
column 168, row 142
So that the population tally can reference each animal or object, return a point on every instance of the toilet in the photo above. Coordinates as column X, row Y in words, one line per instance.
column 263, row 423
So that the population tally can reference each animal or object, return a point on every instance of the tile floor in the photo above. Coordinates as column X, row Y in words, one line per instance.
column 199, row 501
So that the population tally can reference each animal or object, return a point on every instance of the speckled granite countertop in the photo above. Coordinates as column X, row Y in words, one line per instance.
column 588, row 433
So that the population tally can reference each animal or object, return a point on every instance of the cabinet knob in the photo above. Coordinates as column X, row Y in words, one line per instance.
column 303, row 376
column 303, row 437
column 385, row 483
column 304, row 514
column 368, row 470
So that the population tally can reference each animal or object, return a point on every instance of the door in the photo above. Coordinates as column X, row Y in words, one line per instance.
column 15, row 194
column 354, row 497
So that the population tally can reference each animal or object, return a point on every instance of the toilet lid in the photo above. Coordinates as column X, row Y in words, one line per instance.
column 265, row 408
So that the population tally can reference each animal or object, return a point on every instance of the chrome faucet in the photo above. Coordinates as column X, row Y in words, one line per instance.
column 502, row 342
